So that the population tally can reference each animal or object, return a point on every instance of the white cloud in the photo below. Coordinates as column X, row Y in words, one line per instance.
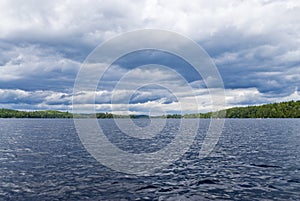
column 16, row 96
column 36, row 68
column 94, row 20
column 251, row 96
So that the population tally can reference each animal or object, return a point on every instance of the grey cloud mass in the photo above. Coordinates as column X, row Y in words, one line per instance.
column 255, row 45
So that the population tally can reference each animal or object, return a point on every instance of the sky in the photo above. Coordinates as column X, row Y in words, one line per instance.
column 255, row 46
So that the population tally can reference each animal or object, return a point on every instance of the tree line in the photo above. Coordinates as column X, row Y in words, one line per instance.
column 289, row 109
column 7, row 113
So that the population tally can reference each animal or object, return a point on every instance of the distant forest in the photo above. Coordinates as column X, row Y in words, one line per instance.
column 289, row 109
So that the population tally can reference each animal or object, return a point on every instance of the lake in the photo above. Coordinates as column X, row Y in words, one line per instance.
column 255, row 159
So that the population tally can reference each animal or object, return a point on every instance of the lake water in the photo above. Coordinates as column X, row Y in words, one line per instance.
column 255, row 159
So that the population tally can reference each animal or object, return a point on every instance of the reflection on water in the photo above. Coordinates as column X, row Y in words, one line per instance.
column 254, row 160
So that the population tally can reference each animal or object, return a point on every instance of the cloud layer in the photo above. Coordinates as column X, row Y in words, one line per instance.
column 255, row 45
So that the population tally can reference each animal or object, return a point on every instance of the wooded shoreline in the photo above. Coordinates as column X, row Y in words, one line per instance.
column 290, row 109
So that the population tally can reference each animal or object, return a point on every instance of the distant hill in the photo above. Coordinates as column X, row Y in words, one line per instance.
column 7, row 113
column 289, row 109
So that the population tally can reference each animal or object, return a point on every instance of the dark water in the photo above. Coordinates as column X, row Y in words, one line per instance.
column 254, row 160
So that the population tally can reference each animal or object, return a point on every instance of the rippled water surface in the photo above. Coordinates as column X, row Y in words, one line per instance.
column 43, row 159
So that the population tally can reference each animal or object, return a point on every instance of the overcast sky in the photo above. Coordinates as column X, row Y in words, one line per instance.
column 254, row 44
